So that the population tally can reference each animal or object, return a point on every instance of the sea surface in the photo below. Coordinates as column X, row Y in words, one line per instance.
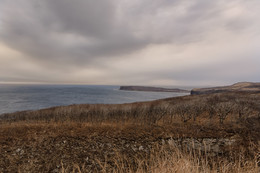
column 32, row 97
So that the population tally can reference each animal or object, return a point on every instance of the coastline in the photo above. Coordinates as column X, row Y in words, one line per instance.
column 152, row 89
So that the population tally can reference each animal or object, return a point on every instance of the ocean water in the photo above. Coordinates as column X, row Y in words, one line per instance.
column 32, row 97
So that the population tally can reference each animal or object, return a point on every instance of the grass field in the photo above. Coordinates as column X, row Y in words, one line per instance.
column 202, row 133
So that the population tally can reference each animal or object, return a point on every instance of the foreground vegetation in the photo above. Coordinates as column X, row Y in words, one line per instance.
column 203, row 133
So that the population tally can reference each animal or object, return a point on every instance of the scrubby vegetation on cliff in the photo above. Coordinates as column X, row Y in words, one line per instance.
column 205, row 133
column 229, row 107
column 237, row 87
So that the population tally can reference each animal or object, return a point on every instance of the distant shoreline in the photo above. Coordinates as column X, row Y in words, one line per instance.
column 237, row 87
column 152, row 89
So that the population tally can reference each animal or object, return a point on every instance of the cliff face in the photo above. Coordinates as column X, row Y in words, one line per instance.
column 152, row 89
column 241, row 86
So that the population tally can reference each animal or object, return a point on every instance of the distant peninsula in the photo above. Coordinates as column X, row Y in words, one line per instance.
column 237, row 87
column 152, row 89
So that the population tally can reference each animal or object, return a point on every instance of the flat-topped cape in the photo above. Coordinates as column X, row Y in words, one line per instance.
column 152, row 89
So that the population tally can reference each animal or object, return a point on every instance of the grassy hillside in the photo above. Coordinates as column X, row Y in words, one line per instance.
column 238, row 87
column 202, row 133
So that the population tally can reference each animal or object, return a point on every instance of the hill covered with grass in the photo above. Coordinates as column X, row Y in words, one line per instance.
column 237, row 87
column 196, row 133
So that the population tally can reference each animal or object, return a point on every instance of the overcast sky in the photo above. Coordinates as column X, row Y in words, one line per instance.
column 130, row 42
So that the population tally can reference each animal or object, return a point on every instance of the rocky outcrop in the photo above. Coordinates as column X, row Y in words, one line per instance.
column 237, row 87
column 152, row 89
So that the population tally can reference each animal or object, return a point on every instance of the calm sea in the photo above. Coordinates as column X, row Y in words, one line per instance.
column 32, row 97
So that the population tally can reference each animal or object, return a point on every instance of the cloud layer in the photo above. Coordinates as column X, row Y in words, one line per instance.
column 157, row 42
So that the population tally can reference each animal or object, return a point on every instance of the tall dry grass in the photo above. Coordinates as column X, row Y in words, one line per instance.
column 167, row 159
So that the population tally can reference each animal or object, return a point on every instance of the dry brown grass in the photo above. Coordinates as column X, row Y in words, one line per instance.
column 165, row 159
column 114, row 147
column 209, row 133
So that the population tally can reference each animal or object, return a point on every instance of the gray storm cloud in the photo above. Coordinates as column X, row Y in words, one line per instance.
column 66, row 30
column 120, row 41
